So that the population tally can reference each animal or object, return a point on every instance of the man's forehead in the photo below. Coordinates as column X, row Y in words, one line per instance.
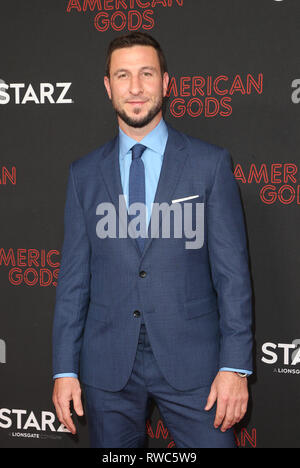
column 131, row 55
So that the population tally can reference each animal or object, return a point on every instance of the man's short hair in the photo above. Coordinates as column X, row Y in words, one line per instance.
column 130, row 40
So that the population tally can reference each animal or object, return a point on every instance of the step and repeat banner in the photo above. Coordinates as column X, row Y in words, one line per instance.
column 235, row 82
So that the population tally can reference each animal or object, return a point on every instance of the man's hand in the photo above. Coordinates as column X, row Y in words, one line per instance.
column 65, row 390
column 231, row 393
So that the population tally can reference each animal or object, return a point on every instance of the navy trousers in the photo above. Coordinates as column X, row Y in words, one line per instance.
column 118, row 419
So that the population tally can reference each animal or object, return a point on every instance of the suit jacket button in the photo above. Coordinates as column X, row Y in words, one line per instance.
column 142, row 274
column 136, row 313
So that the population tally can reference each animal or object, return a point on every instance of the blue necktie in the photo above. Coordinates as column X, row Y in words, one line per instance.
column 137, row 183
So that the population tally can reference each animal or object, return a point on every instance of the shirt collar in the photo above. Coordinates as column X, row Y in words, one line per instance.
column 155, row 140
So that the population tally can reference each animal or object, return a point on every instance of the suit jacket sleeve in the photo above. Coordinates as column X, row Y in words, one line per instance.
column 73, row 288
column 229, row 262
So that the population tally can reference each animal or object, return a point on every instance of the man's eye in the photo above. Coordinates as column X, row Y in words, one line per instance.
column 147, row 73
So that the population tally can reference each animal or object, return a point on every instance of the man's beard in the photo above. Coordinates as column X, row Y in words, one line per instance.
column 132, row 122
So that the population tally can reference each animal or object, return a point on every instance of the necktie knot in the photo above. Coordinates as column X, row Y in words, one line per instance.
column 137, row 151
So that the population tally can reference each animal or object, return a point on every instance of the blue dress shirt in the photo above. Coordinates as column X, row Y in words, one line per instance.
column 152, row 157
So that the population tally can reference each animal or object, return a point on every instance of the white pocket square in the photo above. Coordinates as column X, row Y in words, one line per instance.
column 185, row 198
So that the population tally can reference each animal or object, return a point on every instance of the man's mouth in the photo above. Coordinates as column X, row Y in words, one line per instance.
column 136, row 102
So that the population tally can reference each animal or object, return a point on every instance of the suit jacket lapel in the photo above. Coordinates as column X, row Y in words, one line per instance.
column 172, row 167
column 111, row 175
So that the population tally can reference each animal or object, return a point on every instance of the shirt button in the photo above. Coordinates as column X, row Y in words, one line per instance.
column 142, row 274
column 136, row 313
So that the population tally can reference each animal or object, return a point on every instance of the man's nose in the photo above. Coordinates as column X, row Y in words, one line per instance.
column 135, row 85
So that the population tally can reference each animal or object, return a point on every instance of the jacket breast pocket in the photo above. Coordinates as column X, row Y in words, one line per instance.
column 200, row 307
column 189, row 194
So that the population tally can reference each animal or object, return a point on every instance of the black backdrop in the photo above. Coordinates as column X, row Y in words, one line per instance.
column 236, row 83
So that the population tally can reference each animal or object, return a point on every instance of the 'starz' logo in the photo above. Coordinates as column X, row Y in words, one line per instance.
column 21, row 419
column 21, row 93
column 289, row 356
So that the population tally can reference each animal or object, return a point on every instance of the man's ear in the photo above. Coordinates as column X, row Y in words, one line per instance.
column 107, row 86
column 166, row 80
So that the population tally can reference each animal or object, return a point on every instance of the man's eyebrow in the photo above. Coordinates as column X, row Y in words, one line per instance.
column 149, row 67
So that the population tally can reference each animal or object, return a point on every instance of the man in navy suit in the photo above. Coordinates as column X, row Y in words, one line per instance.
column 145, row 313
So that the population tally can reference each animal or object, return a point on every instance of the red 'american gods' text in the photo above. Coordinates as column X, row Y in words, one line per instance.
column 31, row 267
column 121, row 14
column 280, row 184
column 209, row 96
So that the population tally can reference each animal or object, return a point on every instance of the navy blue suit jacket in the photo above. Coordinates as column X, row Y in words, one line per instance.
column 196, row 303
